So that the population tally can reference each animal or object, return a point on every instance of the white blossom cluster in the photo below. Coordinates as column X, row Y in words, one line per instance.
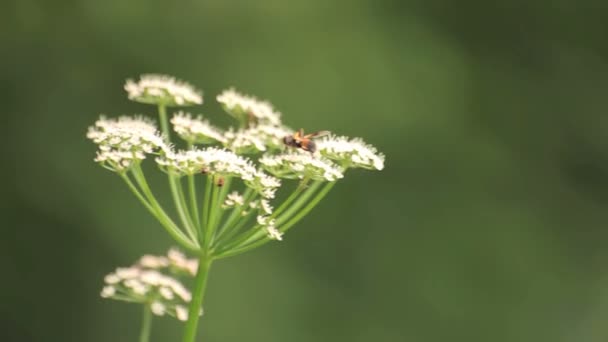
column 175, row 261
column 145, row 284
column 257, row 139
column 210, row 160
column 269, row 226
column 301, row 165
column 245, row 107
column 351, row 152
column 196, row 130
column 234, row 199
column 124, row 140
column 163, row 89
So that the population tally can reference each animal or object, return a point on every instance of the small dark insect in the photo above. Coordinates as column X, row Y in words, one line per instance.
column 220, row 181
column 205, row 171
column 299, row 140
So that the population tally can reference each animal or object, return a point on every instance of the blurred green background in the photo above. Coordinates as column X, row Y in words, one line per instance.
column 488, row 223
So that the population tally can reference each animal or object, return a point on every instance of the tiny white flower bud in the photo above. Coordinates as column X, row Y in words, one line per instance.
column 158, row 308
column 108, row 291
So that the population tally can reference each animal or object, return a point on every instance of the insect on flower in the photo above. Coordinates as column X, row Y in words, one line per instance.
column 305, row 142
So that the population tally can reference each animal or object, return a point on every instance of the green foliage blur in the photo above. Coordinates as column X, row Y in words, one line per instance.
column 488, row 223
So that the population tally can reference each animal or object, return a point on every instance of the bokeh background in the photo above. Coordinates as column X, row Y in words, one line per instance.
column 488, row 223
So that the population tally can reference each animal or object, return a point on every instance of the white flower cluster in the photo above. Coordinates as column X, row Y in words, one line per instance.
column 124, row 140
column 175, row 261
column 301, row 165
column 234, row 199
column 256, row 139
column 351, row 152
column 144, row 283
column 269, row 225
column 218, row 161
column 210, row 160
column 196, row 130
column 163, row 89
column 245, row 107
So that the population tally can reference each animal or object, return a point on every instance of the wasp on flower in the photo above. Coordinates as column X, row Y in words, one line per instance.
column 225, row 184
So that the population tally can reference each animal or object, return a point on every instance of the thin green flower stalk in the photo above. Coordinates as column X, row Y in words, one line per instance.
column 223, row 182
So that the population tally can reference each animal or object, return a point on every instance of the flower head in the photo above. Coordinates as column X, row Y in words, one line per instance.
column 298, row 165
column 245, row 107
column 175, row 261
column 145, row 283
column 196, row 130
column 163, row 89
column 257, row 139
column 124, row 140
column 210, row 160
column 351, row 152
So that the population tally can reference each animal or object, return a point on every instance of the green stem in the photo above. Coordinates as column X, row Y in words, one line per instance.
column 159, row 213
column 308, row 207
column 213, row 211
column 301, row 200
column 291, row 197
column 193, row 197
column 235, row 214
column 197, row 298
column 182, row 208
column 146, row 324
column 222, row 198
column 193, row 200
column 137, row 194
column 255, row 233
column 234, row 230
column 205, row 212
column 164, row 123
column 177, row 193
column 255, row 242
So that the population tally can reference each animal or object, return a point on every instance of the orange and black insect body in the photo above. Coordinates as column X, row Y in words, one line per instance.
column 220, row 182
column 305, row 142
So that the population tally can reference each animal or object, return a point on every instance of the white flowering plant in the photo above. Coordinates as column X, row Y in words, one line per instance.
column 223, row 186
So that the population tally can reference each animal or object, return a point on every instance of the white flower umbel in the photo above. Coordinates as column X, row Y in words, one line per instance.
column 248, row 108
column 232, row 212
column 196, row 130
column 145, row 283
column 163, row 90
column 244, row 141
column 175, row 261
column 208, row 160
column 262, row 183
column 124, row 140
column 257, row 139
column 144, row 286
column 298, row 165
column 351, row 152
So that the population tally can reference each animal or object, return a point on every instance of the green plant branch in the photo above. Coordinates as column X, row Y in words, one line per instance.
column 159, row 213
column 177, row 193
column 193, row 197
column 205, row 211
column 307, row 208
column 291, row 197
column 146, row 324
column 255, row 233
column 213, row 211
column 196, row 303
column 233, row 219
column 255, row 240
